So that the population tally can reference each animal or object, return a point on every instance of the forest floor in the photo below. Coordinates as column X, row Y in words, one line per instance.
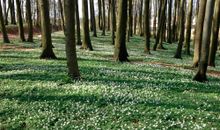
column 151, row 92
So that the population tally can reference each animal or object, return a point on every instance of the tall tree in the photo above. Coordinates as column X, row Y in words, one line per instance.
column 20, row 21
column 140, row 18
column 120, row 52
column 203, row 62
column 79, row 42
column 113, row 19
column 147, row 25
column 93, row 21
column 189, row 27
column 100, row 14
column 47, row 47
column 72, row 64
column 161, row 25
column 12, row 11
column 130, row 20
column 103, row 20
column 169, row 28
column 29, row 21
column 86, row 37
column 199, row 30
column 182, row 30
column 214, row 36
column 61, row 14
column 2, row 26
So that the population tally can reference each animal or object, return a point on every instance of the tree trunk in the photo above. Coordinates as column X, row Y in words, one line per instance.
column 93, row 21
column 189, row 27
column 20, row 21
column 169, row 29
column 79, row 42
column 120, row 52
column 86, row 37
column 161, row 24
column 47, row 51
column 29, row 21
column 2, row 26
column 182, row 30
column 12, row 11
column 113, row 19
column 203, row 63
column 199, row 30
column 100, row 14
column 109, row 14
column 130, row 20
column 147, row 26
column 72, row 64
column 215, row 33
column 140, row 18
column 103, row 21
column 61, row 13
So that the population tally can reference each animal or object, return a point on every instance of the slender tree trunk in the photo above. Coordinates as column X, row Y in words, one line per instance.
column 182, row 28
column 86, row 37
column 12, row 11
column 140, row 18
column 72, row 64
column 109, row 14
column 161, row 24
column 20, row 21
column 155, row 19
column 130, row 21
column 174, row 25
column 38, row 23
column 29, row 21
column 169, row 28
column 2, row 26
column 120, row 52
column 93, row 21
column 103, row 21
column 100, row 14
column 215, row 33
column 61, row 13
column 147, row 26
column 79, row 42
column 135, row 18
column 113, row 19
column 189, row 27
column 54, row 13
column 199, row 30
column 47, row 47
column 203, row 63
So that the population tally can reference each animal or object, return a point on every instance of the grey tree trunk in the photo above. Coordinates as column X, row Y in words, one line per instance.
column 72, row 64
column 20, row 21
column 47, row 47
column 203, row 63
column 2, row 26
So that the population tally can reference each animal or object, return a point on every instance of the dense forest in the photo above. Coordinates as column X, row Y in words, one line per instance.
column 126, row 64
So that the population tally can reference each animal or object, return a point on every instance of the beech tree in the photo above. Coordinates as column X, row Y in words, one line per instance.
column 20, row 20
column 120, row 52
column 72, row 65
column 2, row 26
column 203, row 62
column 86, row 37
column 47, row 47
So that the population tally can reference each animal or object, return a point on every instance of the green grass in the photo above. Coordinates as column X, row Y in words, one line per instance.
column 151, row 92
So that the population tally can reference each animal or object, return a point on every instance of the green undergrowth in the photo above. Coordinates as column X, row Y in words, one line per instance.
column 151, row 92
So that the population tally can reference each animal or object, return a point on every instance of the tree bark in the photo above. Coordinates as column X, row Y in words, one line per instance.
column 93, row 21
column 20, row 21
column 214, row 35
column 120, row 52
column 188, row 27
column 72, row 64
column 147, row 26
column 2, row 26
column 203, row 63
column 47, row 51
column 79, row 42
column 199, row 30
column 103, row 20
column 29, row 21
column 86, row 37
column 113, row 19
column 178, row 54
